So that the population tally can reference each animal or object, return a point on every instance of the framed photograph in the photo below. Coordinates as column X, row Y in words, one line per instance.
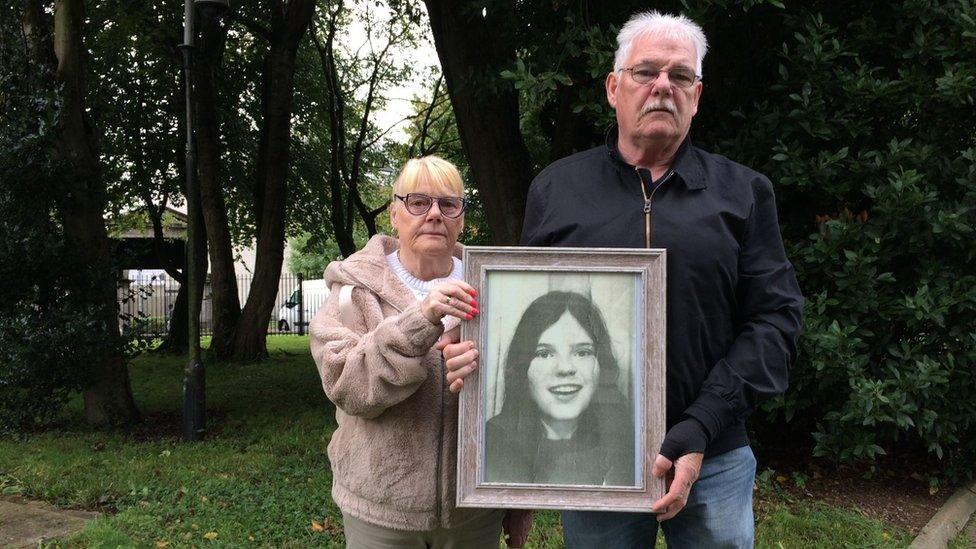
column 567, row 409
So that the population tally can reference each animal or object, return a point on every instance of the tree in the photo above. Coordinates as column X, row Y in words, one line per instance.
column 80, row 202
column 310, row 257
column 475, row 43
column 433, row 130
column 289, row 21
column 140, row 104
column 211, row 36
column 350, row 127
column 526, row 83
column 39, row 330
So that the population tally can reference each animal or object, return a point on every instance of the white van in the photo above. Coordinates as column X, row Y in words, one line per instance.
column 313, row 294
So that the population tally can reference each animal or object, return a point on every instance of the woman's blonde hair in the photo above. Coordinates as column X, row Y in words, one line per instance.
column 431, row 170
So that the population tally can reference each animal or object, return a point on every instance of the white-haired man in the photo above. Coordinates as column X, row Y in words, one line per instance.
column 733, row 303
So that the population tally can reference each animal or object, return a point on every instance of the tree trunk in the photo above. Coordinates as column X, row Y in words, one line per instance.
column 223, row 278
column 473, row 50
column 174, row 342
column 81, row 200
column 178, row 339
column 36, row 26
column 344, row 173
column 289, row 23
column 571, row 132
column 341, row 212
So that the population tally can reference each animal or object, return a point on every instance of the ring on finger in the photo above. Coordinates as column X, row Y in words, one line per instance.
column 450, row 301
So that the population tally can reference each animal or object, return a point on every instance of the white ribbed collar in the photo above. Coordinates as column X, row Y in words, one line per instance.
column 420, row 288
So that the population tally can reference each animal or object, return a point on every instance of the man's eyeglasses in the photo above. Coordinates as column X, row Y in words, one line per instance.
column 420, row 204
column 644, row 73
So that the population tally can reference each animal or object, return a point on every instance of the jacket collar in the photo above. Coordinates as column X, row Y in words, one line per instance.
column 369, row 269
column 687, row 165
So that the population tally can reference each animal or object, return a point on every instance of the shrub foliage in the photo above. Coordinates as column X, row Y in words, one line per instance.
column 870, row 135
column 48, row 305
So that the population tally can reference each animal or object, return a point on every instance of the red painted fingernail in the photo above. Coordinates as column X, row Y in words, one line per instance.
column 474, row 293
column 468, row 316
column 476, row 311
column 474, row 303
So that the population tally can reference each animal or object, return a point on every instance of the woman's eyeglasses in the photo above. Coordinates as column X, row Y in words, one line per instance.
column 420, row 204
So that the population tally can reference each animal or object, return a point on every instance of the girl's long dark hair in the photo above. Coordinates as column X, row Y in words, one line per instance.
column 542, row 313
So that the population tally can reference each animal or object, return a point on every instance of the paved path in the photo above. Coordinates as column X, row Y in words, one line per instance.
column 955, row 518
column 24, row 524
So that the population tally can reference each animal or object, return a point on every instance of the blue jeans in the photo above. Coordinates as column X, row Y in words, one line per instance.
column 718, row 513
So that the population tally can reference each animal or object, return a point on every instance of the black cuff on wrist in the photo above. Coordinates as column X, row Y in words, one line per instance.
column 686, row 437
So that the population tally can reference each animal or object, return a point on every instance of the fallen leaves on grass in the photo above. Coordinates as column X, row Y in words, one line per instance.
column 326, row 526
column 210, row 536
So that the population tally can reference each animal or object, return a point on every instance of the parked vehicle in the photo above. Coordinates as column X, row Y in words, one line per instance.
column 312, row 294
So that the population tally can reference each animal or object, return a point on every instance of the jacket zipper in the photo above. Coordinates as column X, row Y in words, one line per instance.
column 647, row 202
column 440, row 448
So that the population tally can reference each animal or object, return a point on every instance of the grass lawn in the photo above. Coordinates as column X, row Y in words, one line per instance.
column 262, row 477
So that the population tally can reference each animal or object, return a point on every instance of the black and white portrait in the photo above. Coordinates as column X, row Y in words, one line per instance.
column 560, row 397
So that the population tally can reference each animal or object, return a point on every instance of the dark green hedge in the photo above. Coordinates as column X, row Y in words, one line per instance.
column 869, row 134
column 47, row 331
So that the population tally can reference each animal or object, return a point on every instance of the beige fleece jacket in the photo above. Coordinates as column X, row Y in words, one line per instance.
column 394, row 453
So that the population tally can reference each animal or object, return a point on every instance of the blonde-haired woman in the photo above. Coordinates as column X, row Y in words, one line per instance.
column 374, row 342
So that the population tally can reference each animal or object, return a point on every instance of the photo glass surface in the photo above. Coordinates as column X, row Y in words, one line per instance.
column 559, row 378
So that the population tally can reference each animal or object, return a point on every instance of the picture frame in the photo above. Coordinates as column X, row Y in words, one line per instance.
column 567, row 407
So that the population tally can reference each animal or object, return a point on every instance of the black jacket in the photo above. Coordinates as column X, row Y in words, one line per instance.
column 733, row 304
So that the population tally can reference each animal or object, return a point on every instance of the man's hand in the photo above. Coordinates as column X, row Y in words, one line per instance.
column 517, row 524
column 460, row 358
column 682, row 474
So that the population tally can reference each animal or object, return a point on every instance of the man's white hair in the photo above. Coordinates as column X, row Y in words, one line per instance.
column 654, row 22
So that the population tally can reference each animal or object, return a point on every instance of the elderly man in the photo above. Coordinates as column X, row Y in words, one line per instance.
column 733, row 304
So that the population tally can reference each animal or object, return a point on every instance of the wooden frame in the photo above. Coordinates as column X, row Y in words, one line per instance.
column 612, row 418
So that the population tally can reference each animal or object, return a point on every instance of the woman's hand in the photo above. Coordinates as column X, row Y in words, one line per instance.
column 517, row 524
column 451, row 298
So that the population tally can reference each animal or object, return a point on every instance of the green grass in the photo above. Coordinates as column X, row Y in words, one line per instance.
column 966, row 539
column 817, row 525
column 262, row 477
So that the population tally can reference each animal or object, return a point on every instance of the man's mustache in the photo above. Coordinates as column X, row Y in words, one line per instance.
column 659, row 105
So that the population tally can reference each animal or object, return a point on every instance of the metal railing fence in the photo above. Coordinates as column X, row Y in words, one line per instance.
column 147, row 307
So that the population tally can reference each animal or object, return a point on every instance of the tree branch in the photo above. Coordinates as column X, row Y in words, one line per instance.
column 370, row 97
column 372, row 142
column 429, row 111
column 251, row 25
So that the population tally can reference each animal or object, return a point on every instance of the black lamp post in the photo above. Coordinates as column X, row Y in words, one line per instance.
column 194, row 385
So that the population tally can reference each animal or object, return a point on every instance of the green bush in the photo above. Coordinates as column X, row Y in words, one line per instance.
column 47, row 326
column 47, row 302
column 870, row 136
